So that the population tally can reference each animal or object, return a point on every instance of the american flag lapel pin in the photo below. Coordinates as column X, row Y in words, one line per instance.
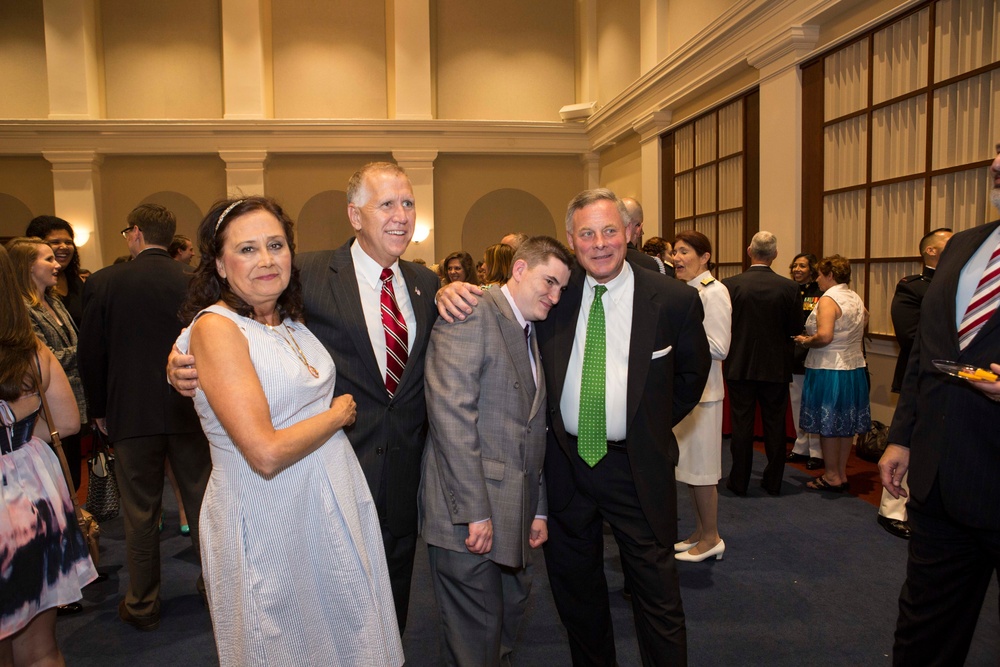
column 417, row 290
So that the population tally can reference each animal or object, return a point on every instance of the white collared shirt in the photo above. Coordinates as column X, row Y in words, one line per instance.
column 523, row 323
column 368, row 273
column 972, row 273
column 618, row 302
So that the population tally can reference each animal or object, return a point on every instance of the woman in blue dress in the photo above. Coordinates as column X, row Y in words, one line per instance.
column 290, row 541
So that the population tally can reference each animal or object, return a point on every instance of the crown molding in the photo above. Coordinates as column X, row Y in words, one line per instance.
column 179, row 137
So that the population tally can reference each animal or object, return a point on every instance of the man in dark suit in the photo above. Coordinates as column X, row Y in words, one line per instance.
column 654, row 362
column 482, row 504
column 944, row 433
column 905, row 313
column 342, row 291
column 129, row 324
column 633, row 234
column 767, row 312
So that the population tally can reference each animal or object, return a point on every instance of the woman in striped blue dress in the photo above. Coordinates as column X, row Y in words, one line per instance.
column 290, row 541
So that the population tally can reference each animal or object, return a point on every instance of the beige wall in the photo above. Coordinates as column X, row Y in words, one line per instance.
column 25, row 182
column 297, row 180
column 687, row 19
column 22, row 60
column 621, row 168
column 127, row 181
column 462, row 181
column 329, row 59
column 504, row 61
column 162, row 59
column 617, row 47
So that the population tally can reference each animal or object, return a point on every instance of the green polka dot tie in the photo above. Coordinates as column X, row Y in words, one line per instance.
column 592, row 430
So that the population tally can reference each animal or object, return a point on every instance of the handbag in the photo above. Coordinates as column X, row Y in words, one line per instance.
column 84, row 519
column 102, row 484
column 872, row 444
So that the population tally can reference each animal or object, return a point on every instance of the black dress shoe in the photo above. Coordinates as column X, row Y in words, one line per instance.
column 814, row 463
column 792, row 457
column 895, row 527
column 729, row 485
column 144, row 623
column 68, row 609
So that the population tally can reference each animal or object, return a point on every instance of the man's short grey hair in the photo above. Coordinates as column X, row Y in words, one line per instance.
column 357, row 192
column 764, row 245
column 588, row 197
column 634, row 210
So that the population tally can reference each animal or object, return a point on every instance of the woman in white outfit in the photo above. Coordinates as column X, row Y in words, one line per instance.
column 290, row 541
column 699, row 435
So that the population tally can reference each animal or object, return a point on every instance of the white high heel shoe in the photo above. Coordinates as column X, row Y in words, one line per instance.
column 716, row 551
column 682, row 546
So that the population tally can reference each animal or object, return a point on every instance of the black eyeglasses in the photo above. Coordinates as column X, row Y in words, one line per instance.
column 128, row 229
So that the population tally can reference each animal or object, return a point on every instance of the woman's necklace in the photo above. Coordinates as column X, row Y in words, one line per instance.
column 294, row 345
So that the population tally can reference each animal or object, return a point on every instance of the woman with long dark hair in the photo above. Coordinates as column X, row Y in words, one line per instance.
column 44, row 561
column 291, row 546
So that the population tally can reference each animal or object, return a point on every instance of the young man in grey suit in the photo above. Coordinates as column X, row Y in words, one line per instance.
column 342, row 291
column 944, row 432
column 482, row 503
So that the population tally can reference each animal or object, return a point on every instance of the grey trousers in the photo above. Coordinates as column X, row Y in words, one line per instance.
column 482, row 605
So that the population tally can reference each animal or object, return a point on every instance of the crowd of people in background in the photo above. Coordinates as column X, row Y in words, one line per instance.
column 367, row 400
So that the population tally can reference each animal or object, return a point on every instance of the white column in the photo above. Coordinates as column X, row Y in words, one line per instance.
column 77, row 193
column 419, row 166
column 410, row 90
column 71, row 59
column 244, row 172
column 591, row 170
column 245, row 76
column 586, row 18
column 649, row 128
column 652, row 35
column 781, row 135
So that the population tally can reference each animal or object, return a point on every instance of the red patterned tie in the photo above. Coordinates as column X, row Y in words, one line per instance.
column 984, row 301
column 395, row 334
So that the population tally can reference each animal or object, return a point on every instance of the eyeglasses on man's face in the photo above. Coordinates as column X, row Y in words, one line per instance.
column 127, row 230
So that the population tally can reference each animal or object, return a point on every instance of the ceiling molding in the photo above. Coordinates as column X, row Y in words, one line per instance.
column 179, row 137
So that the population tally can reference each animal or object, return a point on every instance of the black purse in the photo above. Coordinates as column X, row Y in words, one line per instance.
column 102, row 485
column 871, row 444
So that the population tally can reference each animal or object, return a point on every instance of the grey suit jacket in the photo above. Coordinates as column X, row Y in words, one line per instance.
column 486, row 443
column 388, row 434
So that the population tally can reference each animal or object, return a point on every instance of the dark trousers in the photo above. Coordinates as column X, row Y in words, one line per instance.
column 140, row 469
column 574, row 556
column 399, row 554
column 481, row 604
column 744, row 396
column 947, row 575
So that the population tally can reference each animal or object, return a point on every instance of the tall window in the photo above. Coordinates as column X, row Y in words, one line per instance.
column 910, row 117
column 710, row 179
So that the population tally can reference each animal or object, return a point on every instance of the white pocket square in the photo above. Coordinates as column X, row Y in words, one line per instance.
column 662, row 353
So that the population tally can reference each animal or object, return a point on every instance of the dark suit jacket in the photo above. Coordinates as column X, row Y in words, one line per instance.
column 767, row 312
column 639, row 258
column 661, row 392
column 949, row 426
column 387, row 435
column 129, row 325
column 905, row 312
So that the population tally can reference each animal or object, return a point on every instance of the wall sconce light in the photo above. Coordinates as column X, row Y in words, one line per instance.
column 420, row 233
column 80, row 236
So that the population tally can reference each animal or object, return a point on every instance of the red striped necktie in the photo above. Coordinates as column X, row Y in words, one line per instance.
column 984, row 301
column 395, row 334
